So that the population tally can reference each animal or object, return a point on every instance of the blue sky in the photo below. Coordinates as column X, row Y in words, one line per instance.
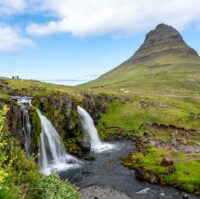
column 81, row 39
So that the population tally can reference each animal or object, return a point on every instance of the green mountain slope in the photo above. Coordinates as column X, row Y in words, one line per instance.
column 164, row 63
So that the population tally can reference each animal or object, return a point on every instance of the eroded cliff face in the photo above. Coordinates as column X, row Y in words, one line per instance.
column 61, row 110
column 14, row 120
column 15, row 123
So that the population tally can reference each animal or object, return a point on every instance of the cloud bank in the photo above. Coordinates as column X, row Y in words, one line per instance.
column 9, row 7
column 114, row 17
column 85, row 18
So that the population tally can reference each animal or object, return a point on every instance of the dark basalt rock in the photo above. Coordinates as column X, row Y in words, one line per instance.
column 14, row 121
column 166, row 162
column 15, row 124
column 147, row 175
column 171, row 169
column 89, row 158
column 85, row 146
column 163, row 40
column 185, row 196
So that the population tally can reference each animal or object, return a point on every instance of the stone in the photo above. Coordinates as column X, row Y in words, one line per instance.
column 146, row 134
column 71, row 161
column 85, row 146
column 185, row 195
column 90, row 158
column 171, row 169
column 166, row 162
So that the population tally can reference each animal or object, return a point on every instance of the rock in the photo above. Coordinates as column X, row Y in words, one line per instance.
column 195, row 116
column 95, row 192
column 149, row 176
column 162, row 194
column 15, row 124
column 144, row 191
column 90, row 158
column 70, row 161
column 144, row 104
column 85, row 146
column 171, row 169
column 145, row 133
column 185, row 195
column 166, row 162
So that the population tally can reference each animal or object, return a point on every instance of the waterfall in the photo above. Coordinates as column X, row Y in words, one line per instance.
column 25, row 103
column 27, row 132
column 53, row 156
column 89, row 127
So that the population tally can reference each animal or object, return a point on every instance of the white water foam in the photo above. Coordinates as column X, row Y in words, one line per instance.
column 88, row 126
column 53, row 157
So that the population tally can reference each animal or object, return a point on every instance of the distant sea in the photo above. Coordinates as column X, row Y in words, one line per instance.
column 71, row 82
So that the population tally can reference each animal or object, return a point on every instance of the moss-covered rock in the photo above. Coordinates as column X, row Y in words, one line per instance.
column 149, row 167
column 36, row 129
column 61, row 110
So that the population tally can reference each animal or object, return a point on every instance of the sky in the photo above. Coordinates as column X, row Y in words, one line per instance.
column 73, row 41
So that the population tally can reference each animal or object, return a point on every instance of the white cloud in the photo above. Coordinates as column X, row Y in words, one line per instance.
column 115, row 17
column 11, row 40
column 9, row 7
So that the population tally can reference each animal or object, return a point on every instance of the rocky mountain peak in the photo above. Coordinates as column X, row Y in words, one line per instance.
column 163, row 40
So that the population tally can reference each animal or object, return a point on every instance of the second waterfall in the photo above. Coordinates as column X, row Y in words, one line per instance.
column 89, row 127
column 53, row 156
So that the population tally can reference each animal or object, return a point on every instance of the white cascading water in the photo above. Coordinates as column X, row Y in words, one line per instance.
column 88, row 126
column 27, row 132
column 25, row 103
column 53, row 156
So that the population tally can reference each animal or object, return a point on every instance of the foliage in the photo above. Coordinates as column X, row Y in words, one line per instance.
column 36, row 128
column 57, row 189
column 20, row 177
column 186, row 175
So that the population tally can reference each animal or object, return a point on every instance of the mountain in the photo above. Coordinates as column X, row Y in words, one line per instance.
column 163, row 40
column 163, row 63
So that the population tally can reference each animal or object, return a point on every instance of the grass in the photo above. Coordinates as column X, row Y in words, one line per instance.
column 140, row 110
column 180, row 76
column 161, row 135
column 37, row 88
column 186, row 176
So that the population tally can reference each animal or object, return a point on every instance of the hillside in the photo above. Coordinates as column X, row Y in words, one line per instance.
column 164, row 63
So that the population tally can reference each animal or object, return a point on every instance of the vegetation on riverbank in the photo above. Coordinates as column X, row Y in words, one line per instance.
column 20, row 177
column 167, row 167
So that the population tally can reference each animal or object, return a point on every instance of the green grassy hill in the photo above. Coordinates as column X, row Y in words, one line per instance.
column 164, row 64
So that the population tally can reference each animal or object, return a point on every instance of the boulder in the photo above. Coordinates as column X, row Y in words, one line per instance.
column 166, row 162
column 171, row 169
